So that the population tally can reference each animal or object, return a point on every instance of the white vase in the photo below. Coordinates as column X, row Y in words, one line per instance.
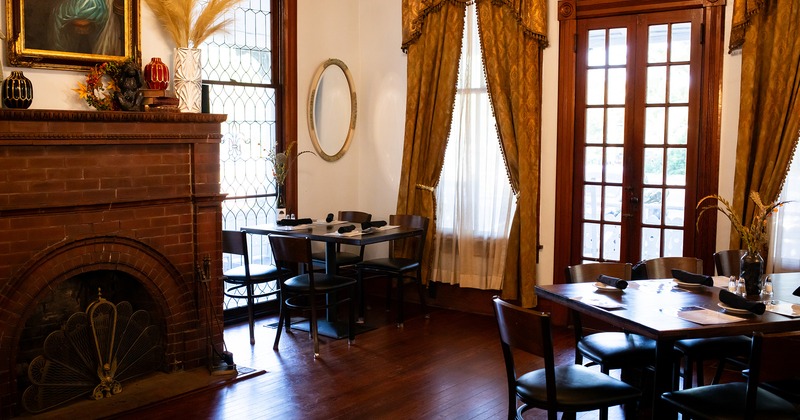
column 188, row 79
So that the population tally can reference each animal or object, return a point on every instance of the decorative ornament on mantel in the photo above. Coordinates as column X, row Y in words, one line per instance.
column 156, row 74
column 189, row 23
column 17, row 91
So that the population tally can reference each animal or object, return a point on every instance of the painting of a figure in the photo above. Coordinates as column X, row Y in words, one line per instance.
column 73, row 30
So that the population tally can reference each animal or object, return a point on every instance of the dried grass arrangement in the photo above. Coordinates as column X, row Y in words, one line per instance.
column 190, row 22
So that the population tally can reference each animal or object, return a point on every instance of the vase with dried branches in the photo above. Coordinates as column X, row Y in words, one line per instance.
column 189, row 23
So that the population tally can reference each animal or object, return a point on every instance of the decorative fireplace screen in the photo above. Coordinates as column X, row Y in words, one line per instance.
column 92, row 354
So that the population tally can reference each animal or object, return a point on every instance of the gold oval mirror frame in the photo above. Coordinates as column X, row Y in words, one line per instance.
column 326, row 104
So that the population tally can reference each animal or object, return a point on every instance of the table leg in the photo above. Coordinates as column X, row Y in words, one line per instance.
column 663, row 379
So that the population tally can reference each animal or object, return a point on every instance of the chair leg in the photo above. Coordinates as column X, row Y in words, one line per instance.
column 312, row 326
column 250, row 316
column 400, row 292
column 360, row 287
column 688, row 374
column 421, row 291
column 281, row 321
column 718, row 373
column 699, row 374
column 351, row 327
column 389, row 293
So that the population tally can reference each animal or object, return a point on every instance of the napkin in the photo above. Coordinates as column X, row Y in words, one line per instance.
column 345, row 229
column 796, row 292
column 294, row 222
column 329, row 218
column 612, row 281
column 693, row 278
column 738, row 302
column 376, row 223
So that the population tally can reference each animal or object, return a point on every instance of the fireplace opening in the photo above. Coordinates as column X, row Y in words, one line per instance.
column 68, row 303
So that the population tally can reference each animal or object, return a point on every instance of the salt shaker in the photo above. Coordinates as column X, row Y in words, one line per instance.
column 740, row 287
column 732, row 284
column 766, row 291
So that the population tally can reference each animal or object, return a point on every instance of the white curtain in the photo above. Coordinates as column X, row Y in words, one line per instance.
column 474, row 200
column 785, row 246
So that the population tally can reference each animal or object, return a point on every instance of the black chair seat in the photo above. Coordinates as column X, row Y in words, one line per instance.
column 322, row 283
column 237, row 275
column 716, row 347
column 578, row 388
column 343, row 258
column 728, row 401
column 618, row 349
column 390, row 264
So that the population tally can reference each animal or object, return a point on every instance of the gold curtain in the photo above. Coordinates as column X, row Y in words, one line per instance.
column 769, row 112
column 432, row 32
column 513, row 34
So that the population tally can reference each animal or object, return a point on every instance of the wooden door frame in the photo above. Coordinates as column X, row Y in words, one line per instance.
column 569, row 11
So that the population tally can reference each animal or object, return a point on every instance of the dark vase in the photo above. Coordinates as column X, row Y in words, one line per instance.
column 280, row 203
column 156, row 74
column 751, row 267
column 17, row 91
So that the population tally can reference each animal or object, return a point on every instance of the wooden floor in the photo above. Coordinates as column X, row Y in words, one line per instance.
column 447, row 367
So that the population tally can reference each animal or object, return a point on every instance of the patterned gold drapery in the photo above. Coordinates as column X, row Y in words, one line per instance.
column 769, row 111
column 433, row 55
column 513, row 36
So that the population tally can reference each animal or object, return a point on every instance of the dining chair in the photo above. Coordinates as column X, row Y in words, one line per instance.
column 346, row 255
column 568, row 388
column 727, row 262
column 661, row 268
column 240, row 281
column 773, row 359
column 309, row 291
column 608, row 349
column 403, row 262
column 695, row 351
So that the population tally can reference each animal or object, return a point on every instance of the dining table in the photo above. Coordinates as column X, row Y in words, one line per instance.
column 666, row 310
column 328, row 233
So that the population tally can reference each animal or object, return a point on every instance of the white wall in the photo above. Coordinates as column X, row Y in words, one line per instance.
column 366, row 35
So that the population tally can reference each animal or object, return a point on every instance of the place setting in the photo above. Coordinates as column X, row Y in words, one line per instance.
column 686, row 280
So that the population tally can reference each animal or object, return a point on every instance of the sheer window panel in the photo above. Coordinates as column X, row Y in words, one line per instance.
column 785, row 243
column 475, row 204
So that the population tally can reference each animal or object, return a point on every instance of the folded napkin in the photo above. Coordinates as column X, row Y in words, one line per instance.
column 376, row 223
column 294, row 222
column 693, row 278
column 345, row 229
column 738, row 302
column 612, row 281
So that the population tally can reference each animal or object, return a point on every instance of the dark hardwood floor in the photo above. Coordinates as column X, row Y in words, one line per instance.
column 448, row 366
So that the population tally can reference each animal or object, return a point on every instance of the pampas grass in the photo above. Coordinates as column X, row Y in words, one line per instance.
column 188, row 22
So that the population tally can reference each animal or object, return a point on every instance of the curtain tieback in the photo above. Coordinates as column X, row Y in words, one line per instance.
column 425, row 187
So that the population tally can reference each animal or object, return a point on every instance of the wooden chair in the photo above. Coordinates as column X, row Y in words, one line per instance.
column 313, row 292
column 567, row 388
column 404, row 262
column 773, row 359
column 344, row 257
column 697, row 350
column 240, row 281
column 661, row 268
column 727, row 262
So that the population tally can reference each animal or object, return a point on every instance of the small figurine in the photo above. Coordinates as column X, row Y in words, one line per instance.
column 129, row 85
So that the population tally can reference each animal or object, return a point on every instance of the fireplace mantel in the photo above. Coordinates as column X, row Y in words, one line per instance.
column 135, row 191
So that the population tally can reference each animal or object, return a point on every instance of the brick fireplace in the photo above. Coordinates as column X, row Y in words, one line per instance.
column 127, row 192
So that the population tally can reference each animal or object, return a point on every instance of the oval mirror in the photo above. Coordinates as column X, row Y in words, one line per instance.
column 332, row 110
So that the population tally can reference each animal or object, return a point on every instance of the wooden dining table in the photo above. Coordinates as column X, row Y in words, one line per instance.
column 327, row 233
column 659, row 309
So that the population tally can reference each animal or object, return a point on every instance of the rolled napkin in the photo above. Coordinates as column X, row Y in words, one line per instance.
column 345, row 229
column 693, row 278
column 294, row 222
column 375, row 223
column 329, row 218
column 612, row 281
column 796, row 292
column 738, row 302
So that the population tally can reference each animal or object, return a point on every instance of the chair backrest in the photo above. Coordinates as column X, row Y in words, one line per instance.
column 525, row 330
column 291, row 252
column 356, row 217
column 234, row 242
column 727, row 262
column 588, row 272
column 773, row 358
column 661, row 268
column 412, row 247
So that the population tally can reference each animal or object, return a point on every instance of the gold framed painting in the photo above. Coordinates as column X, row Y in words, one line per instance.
column 72, row 34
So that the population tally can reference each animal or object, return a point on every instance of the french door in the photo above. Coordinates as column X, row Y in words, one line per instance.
column 637, row 122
